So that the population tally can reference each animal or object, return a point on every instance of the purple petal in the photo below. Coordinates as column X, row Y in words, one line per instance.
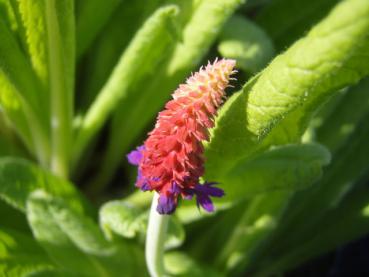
column 141, row 182
column 135, row 156
column 205, row 202
column 203, row 193
column 166, row 204
column 145, row 187
column 209, row 189
column 175, row 188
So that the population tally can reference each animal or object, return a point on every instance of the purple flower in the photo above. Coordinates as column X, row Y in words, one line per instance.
column 167, row 202
column 135, row 156
column 203, row 193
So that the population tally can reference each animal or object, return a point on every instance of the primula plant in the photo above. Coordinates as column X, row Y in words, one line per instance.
column 181, row 138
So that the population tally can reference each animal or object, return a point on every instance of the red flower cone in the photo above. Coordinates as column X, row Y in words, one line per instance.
column 171, row 161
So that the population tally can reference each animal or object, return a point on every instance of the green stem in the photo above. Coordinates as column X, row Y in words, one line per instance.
column 155, row 237
column 61, row 110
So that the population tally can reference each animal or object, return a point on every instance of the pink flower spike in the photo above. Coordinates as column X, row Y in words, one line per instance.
column 171, row 160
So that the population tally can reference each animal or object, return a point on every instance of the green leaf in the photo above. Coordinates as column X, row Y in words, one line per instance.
column 136, row 62
column 21, row 255
column 59, row 19
column 288, row 20
column 10, row 145
column 260, row 219
column 81, row 230
column 342, row 122
column 201, row 22
column 307, row 208
column 176, row 234
column 125, row 219
column 22, row 96
column 12, row 218
column 243, row 40
column 122, row 218
column 180, row 264
column 6, row 12
column 347, row 222
column 290, row 167
column 108, row 46
column 19, row 178
column 73, row 240
column 31, row 19
column 49, row 39
column 48, row 232
column 90, row 22
column 275, row 106
column 54, row 273
column 273, row 177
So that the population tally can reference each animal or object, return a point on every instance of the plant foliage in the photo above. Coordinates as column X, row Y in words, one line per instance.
column 81, row 83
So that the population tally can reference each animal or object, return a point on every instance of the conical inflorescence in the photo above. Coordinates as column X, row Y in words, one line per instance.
column 171, row 161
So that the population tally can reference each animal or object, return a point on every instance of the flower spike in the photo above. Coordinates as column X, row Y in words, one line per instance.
column 171, row 161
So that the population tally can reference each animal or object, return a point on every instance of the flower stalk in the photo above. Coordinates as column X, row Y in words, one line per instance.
column 156, row 232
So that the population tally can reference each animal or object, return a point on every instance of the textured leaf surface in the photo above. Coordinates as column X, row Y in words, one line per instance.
column 124, row 219
column 121, row 218
column 275, row 106
column 72, row 240
column 19, row 178
column 32, row 21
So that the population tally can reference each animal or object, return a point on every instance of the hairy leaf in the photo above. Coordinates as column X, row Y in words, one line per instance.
column 275, row 107
column 124, row 219
column 19, row 178
column 72, row 240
